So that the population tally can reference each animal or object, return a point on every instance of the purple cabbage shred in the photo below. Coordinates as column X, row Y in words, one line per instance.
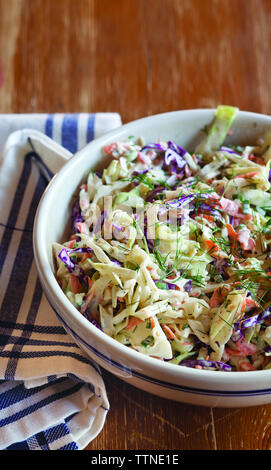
column 267, row 348
column 204, row 363
column 175, row 159
column 95, row 323
column 158, row 147
column 223, row 148
column 151, row 196
column 99, row 224
column 76, row 216
column 72, row 267
column 188, row 286
column 252, row 321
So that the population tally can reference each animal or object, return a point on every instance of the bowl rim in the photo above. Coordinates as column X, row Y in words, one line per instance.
column 48, row 276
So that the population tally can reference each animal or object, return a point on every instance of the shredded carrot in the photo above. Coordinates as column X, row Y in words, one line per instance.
column 171, row 276
column 245, row 365
column 73, row 237
column 213, row 247
column 87, row 301
column 71, row 243
column 231, row 232
column 247, row 216
column 168, row 331
column 82, row 227
column 247, row 175
column 232, row 236
column 250, row 302
column 243, row 307
column 86, row 256
column 256, row 159
column 133, row 321
column 75, row 284
column 218, row 297
column 210, row 218
column 152, row 322
column 110, row 148
column 240, row 176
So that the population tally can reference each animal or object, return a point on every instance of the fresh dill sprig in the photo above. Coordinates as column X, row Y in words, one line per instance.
column 139, row 230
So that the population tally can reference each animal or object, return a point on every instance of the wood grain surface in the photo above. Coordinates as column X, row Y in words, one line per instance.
column 141, row 57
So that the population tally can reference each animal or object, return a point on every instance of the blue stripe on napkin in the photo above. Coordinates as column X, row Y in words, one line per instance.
column 49, row 126
column 69, row 132
column 90, row 127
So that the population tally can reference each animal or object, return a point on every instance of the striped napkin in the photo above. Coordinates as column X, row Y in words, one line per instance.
column 52, row 396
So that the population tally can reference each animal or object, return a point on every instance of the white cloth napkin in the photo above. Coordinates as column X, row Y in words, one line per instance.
column 52, row 396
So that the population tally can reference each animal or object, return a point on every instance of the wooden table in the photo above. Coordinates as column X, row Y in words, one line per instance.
column 141, row 57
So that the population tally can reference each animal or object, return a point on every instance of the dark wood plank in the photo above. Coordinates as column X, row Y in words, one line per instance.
column 140, row 421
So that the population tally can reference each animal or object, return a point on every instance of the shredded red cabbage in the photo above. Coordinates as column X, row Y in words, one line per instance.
column 116, row 262
column 99, row 224
column 236, row 336
column 188, row 286
column 171, row 285
column 72, row 267
column 158, row 147
column 174, row 158
column 163, row 147
column 206, row 207
column 150, row 242
column 176, row 148
column 152, row 195
column 142, row 172
column 182, row 200
column 95, row 323
column 173, row 155
column 80, row 250
column 223, row 148
column 117, row 227
column 252, row 321
column 210, row 364
column 76, row 217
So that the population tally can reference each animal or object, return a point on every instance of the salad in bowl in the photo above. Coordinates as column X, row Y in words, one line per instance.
column 169, row 249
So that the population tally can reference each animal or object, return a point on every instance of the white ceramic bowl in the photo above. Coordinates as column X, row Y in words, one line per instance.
column 199, row 387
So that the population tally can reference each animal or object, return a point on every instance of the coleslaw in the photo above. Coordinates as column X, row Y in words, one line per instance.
column 169, row 251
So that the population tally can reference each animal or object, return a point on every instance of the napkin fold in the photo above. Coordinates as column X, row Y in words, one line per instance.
column 52, row 396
